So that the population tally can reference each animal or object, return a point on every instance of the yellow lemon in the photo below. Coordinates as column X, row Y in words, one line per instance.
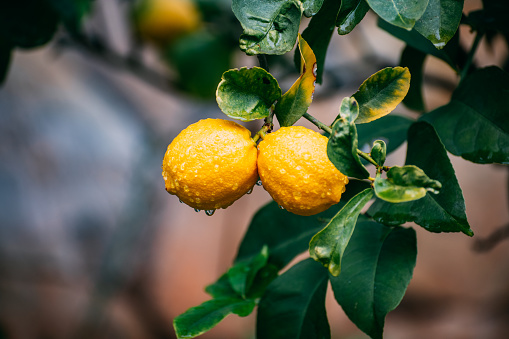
column 164, row 20
column 295, row 170
column 210, row 164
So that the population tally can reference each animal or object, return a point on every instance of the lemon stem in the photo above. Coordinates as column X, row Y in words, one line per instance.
column 317, row 123
column 367, row 157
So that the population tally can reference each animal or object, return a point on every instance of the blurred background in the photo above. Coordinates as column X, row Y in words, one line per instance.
column 91, row 245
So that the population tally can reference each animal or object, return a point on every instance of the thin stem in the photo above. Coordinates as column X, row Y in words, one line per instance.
column 470, row 56
column 262, row 59
column 367, row 157
column 317, row 123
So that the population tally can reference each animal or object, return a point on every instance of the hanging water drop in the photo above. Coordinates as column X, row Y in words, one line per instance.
column 197, row 210
column 259, row 182
column 209, row 212
column 181, row 201
column 280, row 207
column 250, row 191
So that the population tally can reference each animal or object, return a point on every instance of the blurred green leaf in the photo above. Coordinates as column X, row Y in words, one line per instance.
column 443, row 212
column 328, row 245
column 414, row 60
column 185, row 55
column 294, row 103
column 294, row 305
column 318, row 34
column 72, row 12
column 392, row 129
column 247, row 93
column 475, row 124
column 270, row 26
column 440, row 21
column 401, row 13
column 405, row 183
column 381, row 93
column 342, row 150
column 242, row 274
column 5, row 59
column 351, row 13
column 198, row 320
column 288, row 234
column 377, row 267
column 417, row 41
column 27, row 23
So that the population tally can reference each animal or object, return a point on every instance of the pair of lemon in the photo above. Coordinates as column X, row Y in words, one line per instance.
column 214, row 162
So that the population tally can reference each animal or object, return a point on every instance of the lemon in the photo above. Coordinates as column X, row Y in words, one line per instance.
column 295, row 170
column 164, row 20
column 210, row 164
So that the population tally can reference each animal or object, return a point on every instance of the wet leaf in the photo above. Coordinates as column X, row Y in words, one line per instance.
column 328, row 245
column 401, row 13
column 440, row 21
column 377, row 267
column 247, row 93
column 294, row 103
column 351, row 13
column 443, row 212
column 294, row 304
column 381, row 93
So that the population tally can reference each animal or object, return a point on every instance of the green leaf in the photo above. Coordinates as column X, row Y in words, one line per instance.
column 474, row 125
column 27, row 23
column 294, row 103
column 405, row 183
column 288, row 234
column 342, row 150
column 417, row 41
column 311, row 7
column 318, row 35
column 5, row 59
column 294, row 305
column 247, row 93
column 379, row 152
column 392, row 129
column 185, row 56
column 328, row 245
column 351, row 13
column 440, row 21
column 443, row 212
column 349, row 109
column 414, row 60
column 270, row 26
column 377, row 267
column 72, row 12
column 242, row 274
column 381, row 93
column 198, row 320
column 222, row 288
column 401, row 13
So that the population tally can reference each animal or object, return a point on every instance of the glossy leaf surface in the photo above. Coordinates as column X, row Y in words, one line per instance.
column 351, row 13
column 377, row 267
column 443, row 212
column 401, row 13
column 198, row 320
column 294, row 103
column 294, row 304
column 474, row 125
column 328, row 245
column 247, row 93
column 242, row 274
column 405, row 183
column 381, row 93
column 288, row 234
column 440, row 21
column 392, row 129
column 270, row 26
column 342, row 150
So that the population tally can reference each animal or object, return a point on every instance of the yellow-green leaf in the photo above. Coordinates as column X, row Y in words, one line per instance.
column 296, row 101
column 381, row 93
